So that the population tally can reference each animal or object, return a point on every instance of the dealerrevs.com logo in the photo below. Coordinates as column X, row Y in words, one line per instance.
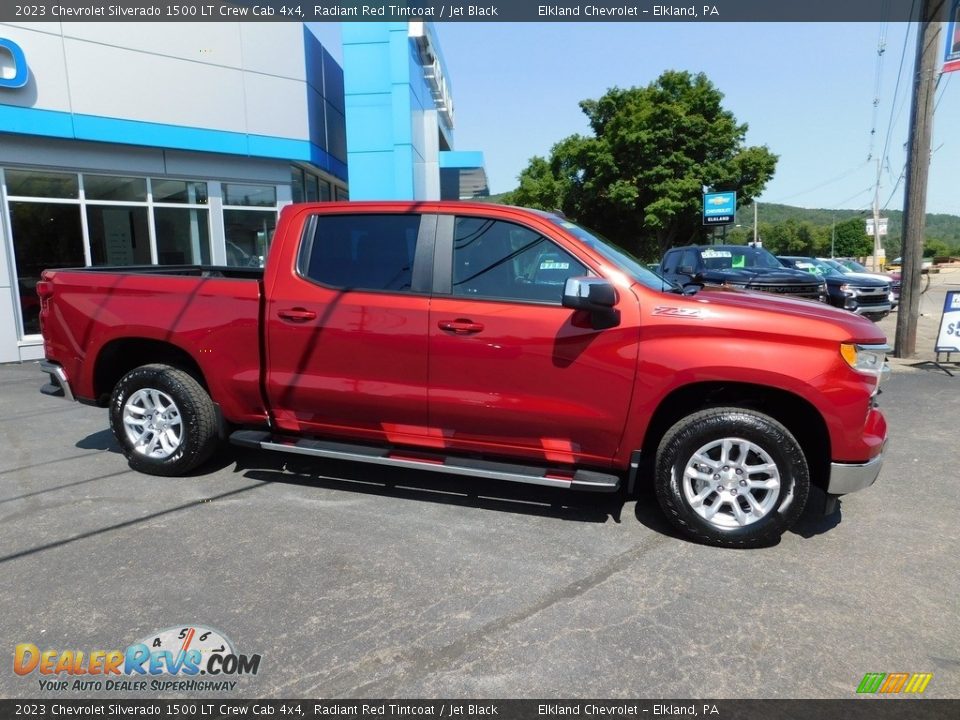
column 169, row 660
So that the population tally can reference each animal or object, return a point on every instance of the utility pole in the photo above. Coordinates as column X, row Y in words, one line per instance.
column 918, row 166
column 833, row 236
column 876, row 221
column 755, row 203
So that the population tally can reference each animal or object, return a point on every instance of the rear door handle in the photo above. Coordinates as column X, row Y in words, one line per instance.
column 297, row 315
column 460, row 326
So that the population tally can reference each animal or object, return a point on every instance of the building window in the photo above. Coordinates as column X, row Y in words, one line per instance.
column 307, row 187
column 248, row 235
column 179, row 191
column 250, row 195
column 324, row 188
column 313, row 189
column 342, row 193
column 29, row 183
column 183, row 236
column 108, row 187
column 249, row 220
column 118, row 235
column 297, row 190
column 45, row 235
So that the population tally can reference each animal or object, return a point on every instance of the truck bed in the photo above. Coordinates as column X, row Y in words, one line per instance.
column 211, row 271
column 121, row 315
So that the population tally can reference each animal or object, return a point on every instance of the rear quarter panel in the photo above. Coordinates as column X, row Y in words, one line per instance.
column 214, row 320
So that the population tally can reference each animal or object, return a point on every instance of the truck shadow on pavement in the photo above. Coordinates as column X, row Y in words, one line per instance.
column 495, row 495
column 812, row 521
column 422, row 486
column 105, row 441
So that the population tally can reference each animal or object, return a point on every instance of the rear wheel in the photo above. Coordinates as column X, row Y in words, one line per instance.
column 731, row 477
column 163, row 419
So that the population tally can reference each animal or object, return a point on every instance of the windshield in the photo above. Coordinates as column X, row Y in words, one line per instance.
column 619, row 257
column 835, row 265
column 811, row 265
column 727, row 257
column 855, row 266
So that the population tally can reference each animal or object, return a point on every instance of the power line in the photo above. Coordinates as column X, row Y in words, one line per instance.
column 865, row 190
column 878, row 79
column 943, row 91
column 903, row 172
column 896, row 90
column 821, row 185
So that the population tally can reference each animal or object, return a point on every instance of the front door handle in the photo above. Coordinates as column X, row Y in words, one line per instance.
column 460, row 326
column 297, row 315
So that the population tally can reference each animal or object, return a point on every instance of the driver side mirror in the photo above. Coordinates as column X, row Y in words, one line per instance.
column 596, row 296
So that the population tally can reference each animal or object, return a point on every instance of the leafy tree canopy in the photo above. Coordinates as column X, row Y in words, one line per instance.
column 639, row 178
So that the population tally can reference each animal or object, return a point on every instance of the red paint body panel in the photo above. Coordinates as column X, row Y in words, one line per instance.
column 526, row 380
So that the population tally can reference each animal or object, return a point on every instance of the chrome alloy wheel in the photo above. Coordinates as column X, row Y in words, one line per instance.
column 153, row 424
column 731, row 482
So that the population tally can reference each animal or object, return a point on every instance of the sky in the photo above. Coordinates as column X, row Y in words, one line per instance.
column 806, row 91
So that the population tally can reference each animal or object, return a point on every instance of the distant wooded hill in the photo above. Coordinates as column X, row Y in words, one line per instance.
column 941, row 228
column 945, row 228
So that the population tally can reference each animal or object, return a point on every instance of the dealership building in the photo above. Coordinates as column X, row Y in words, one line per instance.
column 179, row 143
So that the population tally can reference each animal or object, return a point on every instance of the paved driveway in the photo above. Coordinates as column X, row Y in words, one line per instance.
column 357, row 581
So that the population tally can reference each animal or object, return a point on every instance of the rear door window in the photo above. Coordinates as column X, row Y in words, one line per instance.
column 363, row 252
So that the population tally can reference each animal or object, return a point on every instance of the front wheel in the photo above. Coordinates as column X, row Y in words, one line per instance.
column 731, row 477
column 163, row 419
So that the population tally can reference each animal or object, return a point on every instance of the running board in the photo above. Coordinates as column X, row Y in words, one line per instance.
column 578, row 480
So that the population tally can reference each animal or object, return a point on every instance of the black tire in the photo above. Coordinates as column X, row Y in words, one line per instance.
column 757, row 436
column 196, row 428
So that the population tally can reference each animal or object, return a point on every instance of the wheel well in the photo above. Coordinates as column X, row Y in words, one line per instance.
column 119, row 357
column 801, row 418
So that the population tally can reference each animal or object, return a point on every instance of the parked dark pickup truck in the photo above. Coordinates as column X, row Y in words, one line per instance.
column 867, row 296
column 482, row 340
column 738, row 266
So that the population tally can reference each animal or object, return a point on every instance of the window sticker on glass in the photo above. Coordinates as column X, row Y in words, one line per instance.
column 716, row 254
column 554, row 265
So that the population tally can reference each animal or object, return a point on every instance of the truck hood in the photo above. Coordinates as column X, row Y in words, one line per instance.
column 746, row 310
column 858, row 278
column 784, row 276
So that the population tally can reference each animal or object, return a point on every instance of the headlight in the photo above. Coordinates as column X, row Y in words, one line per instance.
column 736, row 285
column 846, row 289
column 866, row 359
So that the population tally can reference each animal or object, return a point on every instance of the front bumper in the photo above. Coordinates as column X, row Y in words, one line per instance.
column 878, row 309
column 850, row 477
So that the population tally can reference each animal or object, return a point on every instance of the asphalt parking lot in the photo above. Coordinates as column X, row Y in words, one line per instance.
column 353, row 581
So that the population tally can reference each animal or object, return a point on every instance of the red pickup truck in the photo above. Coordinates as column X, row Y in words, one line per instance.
column 481, row 340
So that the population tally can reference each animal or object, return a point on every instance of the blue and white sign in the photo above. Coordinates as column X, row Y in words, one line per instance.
column 719, row 208
column 948, row 339
column 951, row 51
column 13, row 65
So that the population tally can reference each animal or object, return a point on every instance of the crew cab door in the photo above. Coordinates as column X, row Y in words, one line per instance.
column 512, row 371
column 346, row 327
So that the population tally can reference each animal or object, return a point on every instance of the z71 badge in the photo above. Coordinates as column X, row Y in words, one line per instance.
column 676, row 312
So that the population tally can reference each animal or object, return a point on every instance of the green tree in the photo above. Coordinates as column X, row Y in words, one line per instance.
column 935, row 248
column 852, row 239
column 639, row 178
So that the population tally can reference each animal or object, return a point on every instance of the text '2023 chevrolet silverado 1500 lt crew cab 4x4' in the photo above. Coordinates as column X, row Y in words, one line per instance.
column 480, row 340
